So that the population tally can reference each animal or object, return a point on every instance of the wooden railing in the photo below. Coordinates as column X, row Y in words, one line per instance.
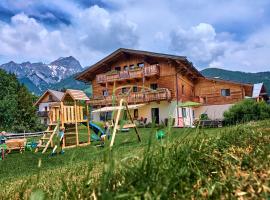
column 134, row 97
column 151, row 70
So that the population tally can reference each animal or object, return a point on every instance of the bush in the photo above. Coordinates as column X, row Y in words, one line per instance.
column 247, row 110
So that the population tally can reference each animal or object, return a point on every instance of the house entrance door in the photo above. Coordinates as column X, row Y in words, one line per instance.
column 155, row 115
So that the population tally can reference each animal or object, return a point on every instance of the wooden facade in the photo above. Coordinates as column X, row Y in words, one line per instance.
column 209, row 91
column 172, row 78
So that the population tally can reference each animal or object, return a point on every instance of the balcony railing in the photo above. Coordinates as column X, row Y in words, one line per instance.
column 42, row 113
column 134, row 98
column 147, row 71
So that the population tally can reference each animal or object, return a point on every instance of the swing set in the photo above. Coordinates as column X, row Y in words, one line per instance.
column 121, row 113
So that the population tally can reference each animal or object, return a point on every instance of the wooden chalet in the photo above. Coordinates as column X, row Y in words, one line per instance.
column 162, row 82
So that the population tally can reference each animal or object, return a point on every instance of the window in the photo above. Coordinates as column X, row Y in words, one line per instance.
column 225, row 92
column 184, row 112
column 105, row 116
column 183, row 89
column 126, row 68
column 136, row 113
column 131, row 66
column 140, row 64
column 46, row 108
column 124, row 90
column 50, row 98
column 153, row 86
column 105, row 93
column 135, row 89
column 204, row 100
column 117, row 68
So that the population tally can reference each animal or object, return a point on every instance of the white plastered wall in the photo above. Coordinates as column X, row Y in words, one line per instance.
column 42, row 106
column 213, row 111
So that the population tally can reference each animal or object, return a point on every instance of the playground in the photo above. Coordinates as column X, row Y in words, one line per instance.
column 92, row 166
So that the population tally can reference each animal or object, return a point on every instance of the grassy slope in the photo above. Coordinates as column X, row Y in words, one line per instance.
column 62, row 171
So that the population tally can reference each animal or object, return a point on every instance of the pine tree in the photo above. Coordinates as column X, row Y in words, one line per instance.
column 17, row 112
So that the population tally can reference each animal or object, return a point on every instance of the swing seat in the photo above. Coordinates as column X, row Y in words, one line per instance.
column 124, row 129
column 128, row 126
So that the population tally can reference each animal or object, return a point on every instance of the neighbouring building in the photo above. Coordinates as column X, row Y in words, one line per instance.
column 49, row 97
column 164, row 86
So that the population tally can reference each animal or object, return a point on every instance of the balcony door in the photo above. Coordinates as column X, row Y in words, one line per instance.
column 155, row 115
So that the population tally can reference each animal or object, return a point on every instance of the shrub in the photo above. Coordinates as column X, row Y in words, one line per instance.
column 247, row 110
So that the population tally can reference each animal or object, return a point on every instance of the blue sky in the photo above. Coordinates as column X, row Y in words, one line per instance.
column 229, row 34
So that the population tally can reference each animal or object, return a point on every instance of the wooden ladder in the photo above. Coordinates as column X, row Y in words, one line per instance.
column 47, row 139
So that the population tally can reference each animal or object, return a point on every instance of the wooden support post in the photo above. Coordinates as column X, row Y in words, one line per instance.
column 88, row 121
column 135, row 127
column 116, row 122
column 62, row 118
column 76, row 123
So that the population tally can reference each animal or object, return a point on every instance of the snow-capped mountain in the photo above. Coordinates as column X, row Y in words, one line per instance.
column 39, row 76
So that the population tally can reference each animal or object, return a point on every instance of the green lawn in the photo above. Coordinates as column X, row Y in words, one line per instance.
column 17, row 165
column 35, row 170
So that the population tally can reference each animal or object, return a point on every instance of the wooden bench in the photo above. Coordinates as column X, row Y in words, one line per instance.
column 16, row 144
column 211, row 123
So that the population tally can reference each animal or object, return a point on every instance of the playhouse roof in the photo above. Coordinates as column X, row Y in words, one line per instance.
column 76, row 95
column 57, row 96
column 257, row 88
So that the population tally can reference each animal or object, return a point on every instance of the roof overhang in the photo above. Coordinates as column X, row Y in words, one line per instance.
column 89, row 74
column 114, row 108
column 227, row 81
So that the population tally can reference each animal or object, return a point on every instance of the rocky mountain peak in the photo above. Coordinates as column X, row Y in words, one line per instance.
column 42, row 75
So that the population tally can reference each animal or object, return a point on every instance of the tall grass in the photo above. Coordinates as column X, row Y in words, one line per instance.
column 233, row 165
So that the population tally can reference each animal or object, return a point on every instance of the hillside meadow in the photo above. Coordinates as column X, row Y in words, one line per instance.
column 224, row 163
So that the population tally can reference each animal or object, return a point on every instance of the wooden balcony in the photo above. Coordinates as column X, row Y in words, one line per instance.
column 147, row 71
column 160, row 94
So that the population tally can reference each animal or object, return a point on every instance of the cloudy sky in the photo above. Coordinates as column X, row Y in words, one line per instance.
column 229, row 34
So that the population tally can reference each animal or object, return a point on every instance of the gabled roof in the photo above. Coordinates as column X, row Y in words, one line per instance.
column 84, row 76
column 57, row 95
column 76, row 95
column 228, row 81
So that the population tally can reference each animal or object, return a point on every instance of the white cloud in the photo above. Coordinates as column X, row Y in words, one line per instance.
column 93, row 33
column 199, row 43
column 207, row 48
column 249, row 55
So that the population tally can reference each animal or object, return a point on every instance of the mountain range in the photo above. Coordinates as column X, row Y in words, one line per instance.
column 238, row 76
column 39, row 76
column 60, row 74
